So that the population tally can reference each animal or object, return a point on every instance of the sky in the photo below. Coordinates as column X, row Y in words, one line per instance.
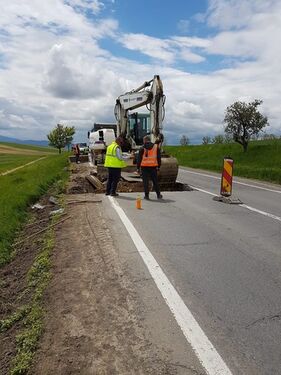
column 66, row 61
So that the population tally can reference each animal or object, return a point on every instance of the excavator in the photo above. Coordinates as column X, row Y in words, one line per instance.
column 134, row 126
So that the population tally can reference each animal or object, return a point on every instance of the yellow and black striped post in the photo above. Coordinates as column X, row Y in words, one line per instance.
column 226, row 178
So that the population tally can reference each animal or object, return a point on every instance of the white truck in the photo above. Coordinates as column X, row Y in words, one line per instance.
column 101, row 135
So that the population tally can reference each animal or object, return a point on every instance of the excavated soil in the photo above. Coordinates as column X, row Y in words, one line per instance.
column 79, row 184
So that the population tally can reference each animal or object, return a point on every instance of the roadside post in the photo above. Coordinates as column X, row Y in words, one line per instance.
column 226, row 177
column 226, row 183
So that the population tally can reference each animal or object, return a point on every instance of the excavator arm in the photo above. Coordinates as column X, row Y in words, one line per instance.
column 149, row 94
column 153, row 98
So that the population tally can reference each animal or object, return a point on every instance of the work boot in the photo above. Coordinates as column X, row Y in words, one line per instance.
column 114, row 194
column 146, row 197
column 159, row 196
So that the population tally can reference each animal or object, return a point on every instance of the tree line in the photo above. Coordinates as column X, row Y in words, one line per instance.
column 243, row 122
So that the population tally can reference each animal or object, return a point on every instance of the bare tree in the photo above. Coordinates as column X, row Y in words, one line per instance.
column 184, row 141
column 206, row 140
column 218, row 139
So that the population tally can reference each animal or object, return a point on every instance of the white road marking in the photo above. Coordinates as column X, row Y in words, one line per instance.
column 235, row 182
column 22, row 166
column 243, row 205
column 261, row 212
column 203, row 191
column 205, row 351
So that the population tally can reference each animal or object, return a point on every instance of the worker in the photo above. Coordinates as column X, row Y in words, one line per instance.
column 149, row 162
column 77, row 153
column 114, row 161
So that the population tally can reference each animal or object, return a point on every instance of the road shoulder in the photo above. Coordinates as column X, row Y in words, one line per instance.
column 104, row 316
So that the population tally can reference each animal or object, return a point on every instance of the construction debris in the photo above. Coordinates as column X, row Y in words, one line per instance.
column 229, row 200
column 95, row 182
column 56, row 212
column 38, row 206
column 53, row 200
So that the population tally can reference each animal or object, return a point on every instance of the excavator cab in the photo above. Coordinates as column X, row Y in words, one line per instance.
column 139, row 126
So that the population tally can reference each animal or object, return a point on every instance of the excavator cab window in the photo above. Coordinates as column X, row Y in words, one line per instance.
column 139, row 126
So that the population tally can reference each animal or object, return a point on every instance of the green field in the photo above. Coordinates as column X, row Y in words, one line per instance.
column 30, row 147
column 262, row 161
column 23, row 187
column 8, row 162
column 13, row 155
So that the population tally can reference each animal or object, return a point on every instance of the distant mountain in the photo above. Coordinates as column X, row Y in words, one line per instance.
column 23, row 142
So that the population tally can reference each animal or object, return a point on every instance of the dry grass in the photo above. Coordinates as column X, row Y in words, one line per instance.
column 4, row 149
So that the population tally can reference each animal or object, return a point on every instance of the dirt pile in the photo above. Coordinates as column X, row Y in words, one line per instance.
column 129, row 183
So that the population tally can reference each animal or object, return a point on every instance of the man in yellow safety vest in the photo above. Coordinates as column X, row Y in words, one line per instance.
column 114, row 161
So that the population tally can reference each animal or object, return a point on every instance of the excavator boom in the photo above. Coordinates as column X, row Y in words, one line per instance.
column 151, row 95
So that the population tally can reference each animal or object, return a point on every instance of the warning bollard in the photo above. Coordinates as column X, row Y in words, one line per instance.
column 226, row 184
column 226, row 178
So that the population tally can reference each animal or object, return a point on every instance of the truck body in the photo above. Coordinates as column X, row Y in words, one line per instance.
column 100, row 136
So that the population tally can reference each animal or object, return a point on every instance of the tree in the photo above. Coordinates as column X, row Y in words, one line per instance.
column 243, row 121
column 206, row 140
column 218, row 139
column 228, row 138
column 61, row 136
column 184, row 141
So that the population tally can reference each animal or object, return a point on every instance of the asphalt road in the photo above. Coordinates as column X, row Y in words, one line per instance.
column 224, row 261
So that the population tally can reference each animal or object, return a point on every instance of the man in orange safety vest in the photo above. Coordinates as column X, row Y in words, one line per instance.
column 149, row 162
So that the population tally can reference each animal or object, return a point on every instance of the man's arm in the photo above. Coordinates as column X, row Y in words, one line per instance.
column 159, row 157
column 120, row 156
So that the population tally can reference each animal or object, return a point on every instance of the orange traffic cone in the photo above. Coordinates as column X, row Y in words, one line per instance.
column 138, row 202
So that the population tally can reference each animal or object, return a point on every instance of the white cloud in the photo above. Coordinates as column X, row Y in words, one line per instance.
column 54, row 69
column 94, row 5
column 166, row 50
column 191, row 42
column 237, row 13
column 153, row 47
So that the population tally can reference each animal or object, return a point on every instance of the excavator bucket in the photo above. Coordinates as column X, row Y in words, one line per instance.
column 168, row 172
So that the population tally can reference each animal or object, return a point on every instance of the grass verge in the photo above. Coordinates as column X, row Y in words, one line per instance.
column 33, row 313
column 262, row 161
column 20, row 189
column 27, row 339
column 27, row 321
